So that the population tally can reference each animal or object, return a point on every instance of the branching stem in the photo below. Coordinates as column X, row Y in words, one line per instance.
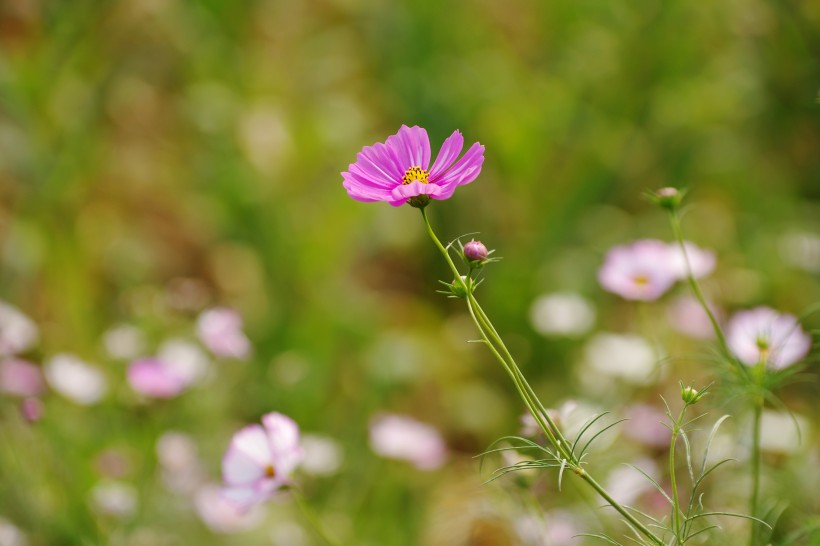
column 499, row 350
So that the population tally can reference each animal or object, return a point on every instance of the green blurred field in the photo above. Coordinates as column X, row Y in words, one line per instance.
column 158, row 157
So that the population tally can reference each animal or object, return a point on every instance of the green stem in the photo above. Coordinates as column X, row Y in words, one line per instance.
column 497, row 347
column 674, row 219
column 758, row 413
column 676, row 523
column 313, row 520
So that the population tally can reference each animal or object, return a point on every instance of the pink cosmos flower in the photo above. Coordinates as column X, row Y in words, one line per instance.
column 20, row 378
column 154, row 378
column 643, row 270
column 260, row 460
column 400, row 437
column 399, row 169
column 220, row 329
column 764, row 335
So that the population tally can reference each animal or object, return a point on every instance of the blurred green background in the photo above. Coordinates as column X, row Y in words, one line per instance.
column 158, row 157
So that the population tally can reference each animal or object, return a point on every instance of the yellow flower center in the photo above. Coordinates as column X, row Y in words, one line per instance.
column 640, row 280
column 415, row 173
column 270, row 472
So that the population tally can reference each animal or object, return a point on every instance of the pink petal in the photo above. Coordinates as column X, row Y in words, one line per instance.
column 362, row 192
column 448, row 154
column 248, row 456
column 412, row 146
column 406, row 191
column 465, row 169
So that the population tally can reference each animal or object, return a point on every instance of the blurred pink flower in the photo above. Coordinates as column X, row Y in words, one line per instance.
column 764, row 335
column 76, row 379
column 220, row 329
column 20, row 378
column 260, row 460
column 17, row 331
column 399, row 170
column 646, row 426
column 644, row 270
column 152, row 377
column 400, row 437
column 702, row 262
column 686, row 315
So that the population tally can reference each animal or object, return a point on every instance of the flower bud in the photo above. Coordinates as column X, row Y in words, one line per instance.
column 690, row 395
column 668, row 198
column 475, row 251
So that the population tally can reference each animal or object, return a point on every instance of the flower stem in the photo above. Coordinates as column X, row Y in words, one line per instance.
column 553, row 434
column 676, row 513
column 753, row 501
column 313, row 520
column 674, row 219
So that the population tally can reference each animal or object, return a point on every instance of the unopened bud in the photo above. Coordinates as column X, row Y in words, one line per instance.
column 668, row 198
column 690, row 395
column 475, row 251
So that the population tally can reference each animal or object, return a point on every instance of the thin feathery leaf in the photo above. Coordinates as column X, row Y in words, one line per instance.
column 600, row 537
column 730, row 514
column 712, row 434
column 653, row 482
column 588, row 423
column 696, row 533
column 606, row 428
column 685, row 439
column 647, row 516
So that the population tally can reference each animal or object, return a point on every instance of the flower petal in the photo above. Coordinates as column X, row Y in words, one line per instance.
column 404, row 192
column 465, row 169
column 361, row 191
column 412, row 146
column 247, row 457
column 448, row 154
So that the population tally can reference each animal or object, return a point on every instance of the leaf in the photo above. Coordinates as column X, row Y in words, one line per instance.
column 685, row 439
column 712, row 434
column 601, row 537
column 591, row 421
column 730, row 514
column 606, row 428
column 652, row 480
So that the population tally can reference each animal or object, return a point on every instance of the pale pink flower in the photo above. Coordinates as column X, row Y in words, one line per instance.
column 152, row 377
column 260, row 460
column 75, row 379
column 17, row 331
column 400, row 437
column 644, row 270
column 186, row 359
column 220, row 329
column 764, row 335
column 20, row 378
